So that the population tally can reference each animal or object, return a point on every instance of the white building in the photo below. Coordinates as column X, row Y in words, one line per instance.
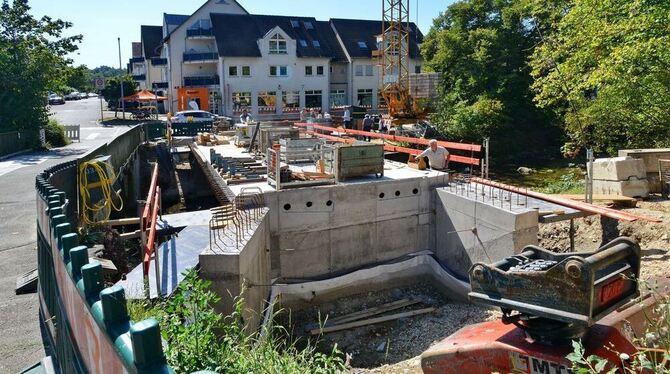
column 270, row 65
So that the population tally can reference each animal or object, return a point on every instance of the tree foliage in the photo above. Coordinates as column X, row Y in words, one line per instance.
column 106, row 72
column 31, row 52
column 481, row 48
column 604, row 67
column 112, row 91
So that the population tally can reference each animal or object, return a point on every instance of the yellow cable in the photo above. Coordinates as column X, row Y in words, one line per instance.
column 104, row 182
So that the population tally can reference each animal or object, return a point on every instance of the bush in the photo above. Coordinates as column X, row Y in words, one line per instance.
column 55, row 134
column 198, row 338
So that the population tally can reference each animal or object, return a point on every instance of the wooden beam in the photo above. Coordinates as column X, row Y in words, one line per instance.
column 370, row 321
column 371, row 311
column 124, row 221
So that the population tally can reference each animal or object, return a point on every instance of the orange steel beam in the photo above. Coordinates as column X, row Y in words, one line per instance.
column 396, row 138
column 149, row 249
column 581, row 206
column 152, row 191
column 393, row 148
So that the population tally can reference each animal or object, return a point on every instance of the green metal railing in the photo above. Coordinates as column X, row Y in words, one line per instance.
column 87, row 325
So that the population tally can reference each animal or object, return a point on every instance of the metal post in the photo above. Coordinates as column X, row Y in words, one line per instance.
column 486, row 151
column 123, row 103
column 572, row 235
column 102, row 118
column 589, row 176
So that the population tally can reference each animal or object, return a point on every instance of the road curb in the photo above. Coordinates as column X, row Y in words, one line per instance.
column 3, row 158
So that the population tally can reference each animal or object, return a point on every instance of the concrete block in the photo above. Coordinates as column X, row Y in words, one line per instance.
column 630, row 188
column 649, row 156
column 618, row 169
column 352, row 246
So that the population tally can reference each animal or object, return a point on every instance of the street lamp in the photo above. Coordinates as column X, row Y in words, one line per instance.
column 123, row 103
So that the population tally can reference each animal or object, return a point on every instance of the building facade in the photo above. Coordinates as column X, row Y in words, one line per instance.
column 271, row 66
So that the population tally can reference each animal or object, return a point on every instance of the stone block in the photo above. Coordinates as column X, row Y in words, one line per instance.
column 630, row 188
column 649, row 156
column 618, row 169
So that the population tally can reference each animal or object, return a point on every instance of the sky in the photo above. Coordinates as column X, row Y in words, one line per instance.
column 101, row 23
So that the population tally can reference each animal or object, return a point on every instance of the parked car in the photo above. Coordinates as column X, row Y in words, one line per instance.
column 92, row 94
column 56, row 100
column 193, row 116
column 72, row 96
column 83, row 95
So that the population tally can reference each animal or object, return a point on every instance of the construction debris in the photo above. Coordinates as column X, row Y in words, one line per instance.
column 371, row 321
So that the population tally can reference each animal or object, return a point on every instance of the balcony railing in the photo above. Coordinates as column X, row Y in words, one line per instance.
column 140, row 77
column 201, row 81
column 159, row 61
column 191, row 57
column 199, row 32
column 160, row 85
column 136, row 60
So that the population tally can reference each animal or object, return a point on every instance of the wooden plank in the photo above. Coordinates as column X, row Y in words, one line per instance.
column 371, row 321
column 124, row 221
column 372, row 311
column 626, row 201
column 108, row 266
column 26, row 283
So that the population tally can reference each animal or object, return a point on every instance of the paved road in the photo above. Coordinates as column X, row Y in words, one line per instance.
column 20, row 340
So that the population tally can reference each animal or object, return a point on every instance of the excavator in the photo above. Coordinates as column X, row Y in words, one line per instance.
column 549, row 301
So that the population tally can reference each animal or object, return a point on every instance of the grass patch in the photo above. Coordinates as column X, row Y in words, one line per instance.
column 556, row 178
column 199, row 338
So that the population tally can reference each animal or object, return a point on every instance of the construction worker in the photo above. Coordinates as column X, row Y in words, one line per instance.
column 367, row 126
column 347, row 118
column 245, row 117
column 437, row 155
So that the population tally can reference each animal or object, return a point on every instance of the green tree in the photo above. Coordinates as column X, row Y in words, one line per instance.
column 112, row 91
column 31, row 52
column 604, row 68
column 481, row 48
column 106, row 72
column 79, row 78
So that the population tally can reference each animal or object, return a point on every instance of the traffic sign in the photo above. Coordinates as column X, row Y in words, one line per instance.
column 99, row 83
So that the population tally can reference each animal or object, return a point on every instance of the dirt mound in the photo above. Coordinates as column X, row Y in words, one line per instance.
column 652, row 237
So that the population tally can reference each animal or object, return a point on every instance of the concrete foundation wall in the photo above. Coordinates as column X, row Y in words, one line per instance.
column 229, row 272
column 331, row 230
column 474, row 231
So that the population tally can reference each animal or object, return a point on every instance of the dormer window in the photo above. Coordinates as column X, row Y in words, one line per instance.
column 308, row 25
column 316, row 44
column 303, row 43
column 278, row 45
column 362, row 45
column 295, row 24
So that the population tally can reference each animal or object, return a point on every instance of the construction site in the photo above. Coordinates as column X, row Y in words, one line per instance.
column 347, row 235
